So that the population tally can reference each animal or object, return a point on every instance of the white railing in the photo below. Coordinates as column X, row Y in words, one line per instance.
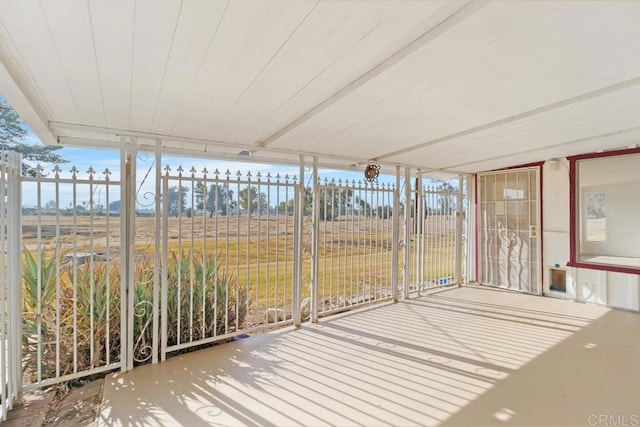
column 355, row 244
column 128, row 270
column 71, row 276
column 437, row 244
column 228, row 255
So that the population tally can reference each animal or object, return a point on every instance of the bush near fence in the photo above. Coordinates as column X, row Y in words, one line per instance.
column 52, row 323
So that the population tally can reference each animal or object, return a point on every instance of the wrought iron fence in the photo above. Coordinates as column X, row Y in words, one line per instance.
column 112, row 272
column 355, row 244
column 228, row 254
column 434, row 236
column 71, row 261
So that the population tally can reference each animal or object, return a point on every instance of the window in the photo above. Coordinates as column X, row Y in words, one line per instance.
column 606, row 211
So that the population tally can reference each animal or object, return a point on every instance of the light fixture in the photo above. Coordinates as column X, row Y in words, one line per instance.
column 371, row 173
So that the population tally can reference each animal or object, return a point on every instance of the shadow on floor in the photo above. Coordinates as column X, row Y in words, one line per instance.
column 461, row 357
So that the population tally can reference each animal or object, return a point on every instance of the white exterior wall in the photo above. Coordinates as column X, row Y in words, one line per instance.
column 618, row 290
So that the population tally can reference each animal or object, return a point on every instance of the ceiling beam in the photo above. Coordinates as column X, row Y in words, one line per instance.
column 444, row 19
column 520, row 116
column 104, row 144
column 551, row 146
column 145, row 135
column 204, row 145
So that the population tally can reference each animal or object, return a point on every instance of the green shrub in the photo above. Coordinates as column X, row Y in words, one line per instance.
column 209, row 299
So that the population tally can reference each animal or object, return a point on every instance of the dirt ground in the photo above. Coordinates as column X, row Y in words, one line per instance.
column 63, row 405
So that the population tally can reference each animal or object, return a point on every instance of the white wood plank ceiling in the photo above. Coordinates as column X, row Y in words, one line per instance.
column 452, row 86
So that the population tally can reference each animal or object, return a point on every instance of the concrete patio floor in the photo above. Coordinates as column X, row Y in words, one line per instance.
column 464, row 356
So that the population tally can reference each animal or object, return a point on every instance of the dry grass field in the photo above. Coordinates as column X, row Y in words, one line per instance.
column 354, row 254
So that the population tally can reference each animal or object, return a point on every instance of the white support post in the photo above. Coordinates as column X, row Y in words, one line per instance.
column 165, row 269
column 127, row 239
column 131, row 250
column 299, row 224
column 407, row 231
column 419, row 232
column 459, row 206
column 471, row 231
column 14, row 264
column 157, row 263
column 315, row 243
column 396, row 236
column 124, row 182
column 5, row 391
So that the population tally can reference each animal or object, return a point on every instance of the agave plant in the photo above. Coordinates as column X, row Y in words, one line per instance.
column 97, row 312
column 79, row 327
column 39, row 282
column 206, row 299
column 39, row 279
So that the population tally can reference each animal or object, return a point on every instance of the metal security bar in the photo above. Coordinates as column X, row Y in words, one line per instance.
column 10, row 337
column 355, row 244
column 436, row 246
column 509, row 250
column 228, row 255
column 71, row 271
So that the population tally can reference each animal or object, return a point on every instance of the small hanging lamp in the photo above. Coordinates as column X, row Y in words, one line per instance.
column 371, row 173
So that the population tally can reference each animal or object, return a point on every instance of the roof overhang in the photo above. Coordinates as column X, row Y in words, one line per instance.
column 447, row 87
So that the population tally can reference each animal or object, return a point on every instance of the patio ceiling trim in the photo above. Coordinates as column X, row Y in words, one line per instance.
column 69, row 141
column 450, row 15
column 202, row 145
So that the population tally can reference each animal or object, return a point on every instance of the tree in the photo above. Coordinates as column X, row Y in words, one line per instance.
column 384, row 212
column 12, row 134
column 364, row 208
column 308, row 201
column 335, row 202
column 177, row 199
column 447, row 197
column 251, row 201
column 288, row 206
column 219, row 198
column 114, row 206
column 329, row 204
column 199, row 192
